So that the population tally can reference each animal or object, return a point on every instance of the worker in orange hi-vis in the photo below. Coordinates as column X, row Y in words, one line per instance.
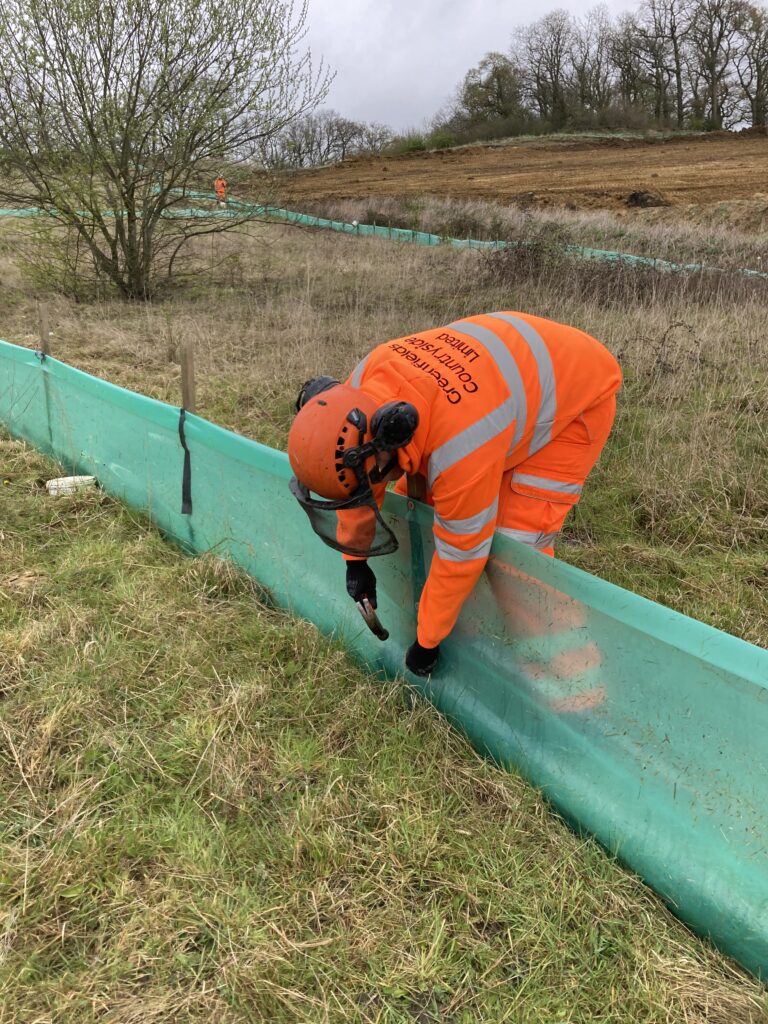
column 220, row 188
column 503, row 415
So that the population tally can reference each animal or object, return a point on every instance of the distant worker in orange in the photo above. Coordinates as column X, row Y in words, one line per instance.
column 220, row 188
column 502, row 415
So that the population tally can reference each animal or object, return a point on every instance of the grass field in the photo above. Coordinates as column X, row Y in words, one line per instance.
column 211, row 814
column 727, row 235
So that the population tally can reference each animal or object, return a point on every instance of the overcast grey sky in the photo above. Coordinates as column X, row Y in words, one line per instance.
column 397, row 61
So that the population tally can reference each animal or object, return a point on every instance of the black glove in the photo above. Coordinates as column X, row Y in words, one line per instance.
column 421, row 660
column 361, row 582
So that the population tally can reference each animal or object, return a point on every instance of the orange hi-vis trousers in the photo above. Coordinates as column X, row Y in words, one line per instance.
column 538, row 493
column 551, row 645
column 562, row 664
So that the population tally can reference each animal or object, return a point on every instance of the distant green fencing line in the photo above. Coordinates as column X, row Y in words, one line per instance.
column 426, row 238
column 237, row 208
column 643, row 727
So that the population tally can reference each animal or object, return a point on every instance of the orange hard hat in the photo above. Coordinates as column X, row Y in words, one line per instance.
column 325, row 427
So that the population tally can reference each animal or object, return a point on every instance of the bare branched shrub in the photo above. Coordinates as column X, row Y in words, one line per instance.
column 614, row 283
column 671, row 238
column 112, row 116
column 55, row 258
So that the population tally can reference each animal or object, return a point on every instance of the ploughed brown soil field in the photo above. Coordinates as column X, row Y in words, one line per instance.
column 594, row 173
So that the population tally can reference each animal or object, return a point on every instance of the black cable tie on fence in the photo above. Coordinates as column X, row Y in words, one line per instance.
column 186, row 480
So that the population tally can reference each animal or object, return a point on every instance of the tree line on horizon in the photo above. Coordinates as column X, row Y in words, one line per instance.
column 700, row 65
column 671, row 64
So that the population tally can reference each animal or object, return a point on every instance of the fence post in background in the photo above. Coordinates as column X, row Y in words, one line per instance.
column 170, row 348
column 187, row 377
column 45, row 340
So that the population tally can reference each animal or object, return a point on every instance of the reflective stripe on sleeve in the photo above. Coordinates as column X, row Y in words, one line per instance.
column 449, row 553
column 470, row 439
column 357, row 373
column 472, row 524
column 545, row 484
column 542, row 432
column 508, row 367
column 533, row 538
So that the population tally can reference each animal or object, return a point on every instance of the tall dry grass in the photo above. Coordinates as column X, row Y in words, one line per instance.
column 685, row 471
column 731, row 235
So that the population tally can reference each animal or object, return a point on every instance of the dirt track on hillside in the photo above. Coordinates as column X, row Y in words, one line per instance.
column 600, row 173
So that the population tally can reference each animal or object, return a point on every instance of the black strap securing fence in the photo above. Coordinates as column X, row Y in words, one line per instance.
column 186, row 479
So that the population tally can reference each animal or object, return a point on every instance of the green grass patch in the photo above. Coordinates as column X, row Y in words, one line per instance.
column 211, row 814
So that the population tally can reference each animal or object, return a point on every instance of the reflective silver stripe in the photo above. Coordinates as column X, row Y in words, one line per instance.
column 508, row 367
column 531, row 537
column 357, row 373
column 542, row 432
column 470, row 439
column 472, row 524
column 449, row 553
column 545, row 484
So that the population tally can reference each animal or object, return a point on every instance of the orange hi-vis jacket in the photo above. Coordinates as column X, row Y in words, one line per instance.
column 490, row 390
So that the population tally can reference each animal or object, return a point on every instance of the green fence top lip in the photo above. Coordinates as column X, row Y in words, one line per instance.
column 721, row 650
column 225, row 441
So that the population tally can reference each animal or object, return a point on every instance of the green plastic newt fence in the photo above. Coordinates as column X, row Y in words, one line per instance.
column 657, row 745
column 239, row 209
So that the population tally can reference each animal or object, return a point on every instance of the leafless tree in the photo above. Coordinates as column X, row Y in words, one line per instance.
column 324, row 137
column 112, row 112
column 752, row 60
column 653, row 49
column 675, row 20
column 713, row 35
column 632, row 86
column 648, row 56
column 543, row 50
column 593, row 73
column 375, row 137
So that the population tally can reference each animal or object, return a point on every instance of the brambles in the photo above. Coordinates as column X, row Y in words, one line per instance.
column 615, row 283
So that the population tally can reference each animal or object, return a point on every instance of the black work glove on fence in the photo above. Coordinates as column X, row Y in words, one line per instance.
column 421, row 660
column 361, row 582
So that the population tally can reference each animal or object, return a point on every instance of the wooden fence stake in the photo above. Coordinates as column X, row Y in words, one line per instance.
column 187, row 377
column 170, row 348
column 45, row 340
